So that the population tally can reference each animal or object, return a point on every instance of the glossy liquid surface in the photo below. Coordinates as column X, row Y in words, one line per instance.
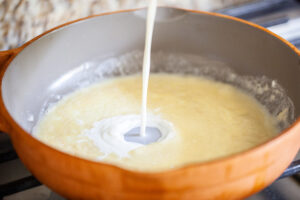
column 210, row 120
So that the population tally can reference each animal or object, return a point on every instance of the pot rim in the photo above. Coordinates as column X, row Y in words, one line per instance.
column 14, row 127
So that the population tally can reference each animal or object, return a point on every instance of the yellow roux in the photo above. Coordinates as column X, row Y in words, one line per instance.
column 210, row 120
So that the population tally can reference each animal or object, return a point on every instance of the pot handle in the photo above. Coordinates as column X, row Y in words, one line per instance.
column 5, row 58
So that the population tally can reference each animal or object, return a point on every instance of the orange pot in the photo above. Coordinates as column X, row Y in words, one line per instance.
column 28, row 72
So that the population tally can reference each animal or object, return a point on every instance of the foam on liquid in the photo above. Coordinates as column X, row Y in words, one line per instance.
column 205, row 119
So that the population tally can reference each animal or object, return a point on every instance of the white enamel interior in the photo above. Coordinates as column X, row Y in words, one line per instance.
column 32, row 75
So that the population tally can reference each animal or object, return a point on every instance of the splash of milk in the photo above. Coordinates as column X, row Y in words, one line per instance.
column 108, row 134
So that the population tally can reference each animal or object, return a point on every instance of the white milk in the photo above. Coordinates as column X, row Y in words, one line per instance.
column 146, row 63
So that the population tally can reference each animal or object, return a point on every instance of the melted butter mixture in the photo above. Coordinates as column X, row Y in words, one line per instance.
column 207, row 120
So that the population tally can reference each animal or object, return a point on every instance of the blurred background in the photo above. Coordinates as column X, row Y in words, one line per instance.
column 21, row 20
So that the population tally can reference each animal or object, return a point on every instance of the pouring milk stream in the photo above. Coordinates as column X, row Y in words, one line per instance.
column 146, row 135
column 127, row 135
column 146, row 63
column 122, row 134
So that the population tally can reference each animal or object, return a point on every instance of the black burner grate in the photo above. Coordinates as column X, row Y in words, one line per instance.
column 18, row 186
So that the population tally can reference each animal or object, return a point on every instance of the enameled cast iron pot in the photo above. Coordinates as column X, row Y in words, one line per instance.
column 27, row 72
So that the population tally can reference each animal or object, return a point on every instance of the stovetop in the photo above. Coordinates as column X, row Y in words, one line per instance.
column 279, row 16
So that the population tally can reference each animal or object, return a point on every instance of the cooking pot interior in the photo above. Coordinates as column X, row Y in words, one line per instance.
column 49, row 67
